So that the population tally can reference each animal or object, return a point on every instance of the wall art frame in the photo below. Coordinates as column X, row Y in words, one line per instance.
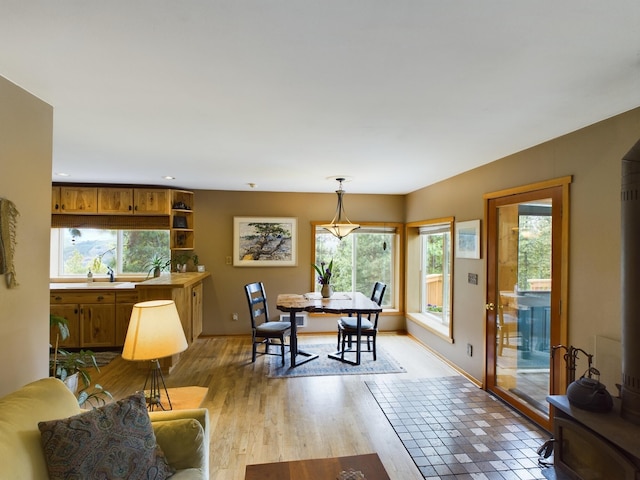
column 468, row 239
column 265, row 241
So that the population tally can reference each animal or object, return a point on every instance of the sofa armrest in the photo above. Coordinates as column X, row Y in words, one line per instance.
column 183, row 436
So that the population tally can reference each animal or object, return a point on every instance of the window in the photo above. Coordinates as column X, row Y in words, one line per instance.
column 75, row 251
column 435, row 252
column 368, row 255
column 430, row 274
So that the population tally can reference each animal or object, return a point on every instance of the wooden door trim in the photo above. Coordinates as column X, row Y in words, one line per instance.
column 491, row 200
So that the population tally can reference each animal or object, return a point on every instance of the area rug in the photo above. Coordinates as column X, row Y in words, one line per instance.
column 102, row 358
column 323, row 365
column 452, row 429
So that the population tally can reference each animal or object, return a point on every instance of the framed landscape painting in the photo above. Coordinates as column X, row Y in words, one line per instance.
column 468, row 239
column 265, row 241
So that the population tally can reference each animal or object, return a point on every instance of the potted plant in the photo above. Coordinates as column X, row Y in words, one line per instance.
column 74, row 367
column 156, row 265
column 183, row 259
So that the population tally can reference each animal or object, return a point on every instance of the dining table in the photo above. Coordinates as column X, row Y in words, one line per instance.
column 350, row 303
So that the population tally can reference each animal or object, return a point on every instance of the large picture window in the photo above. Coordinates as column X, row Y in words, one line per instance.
column 76, row 251
column 368, row 255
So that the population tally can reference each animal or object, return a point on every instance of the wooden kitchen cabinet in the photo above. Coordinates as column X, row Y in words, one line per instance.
column 196, row 311
column 97, row 325
column 152, row 201
column 96, row 318
column 115, row 201
column 55, row 200
column 124, row 306
column 70, row 312
column 78, row 200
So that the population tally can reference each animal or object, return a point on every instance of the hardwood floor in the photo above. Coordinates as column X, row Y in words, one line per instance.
column 256, row 419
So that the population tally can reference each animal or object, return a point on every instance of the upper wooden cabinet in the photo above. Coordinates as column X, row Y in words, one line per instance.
column 55, row 200
column 111, row 200
column 78, row 200
column 115, row 201
column 150, row 201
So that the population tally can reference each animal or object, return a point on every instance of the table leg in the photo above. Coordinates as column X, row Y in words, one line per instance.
column 293, row 347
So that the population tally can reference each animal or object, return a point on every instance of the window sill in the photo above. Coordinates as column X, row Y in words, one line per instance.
column 432, row 324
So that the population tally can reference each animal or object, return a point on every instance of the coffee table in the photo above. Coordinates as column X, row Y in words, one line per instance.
column 318, row 469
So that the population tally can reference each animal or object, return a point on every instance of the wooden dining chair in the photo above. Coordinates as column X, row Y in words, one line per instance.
column 348, row 326
column 264, row 331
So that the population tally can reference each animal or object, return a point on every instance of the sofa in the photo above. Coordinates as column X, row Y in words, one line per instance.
column 181, row 435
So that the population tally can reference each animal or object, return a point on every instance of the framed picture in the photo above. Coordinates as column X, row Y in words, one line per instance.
column 265, row 241
column 468, row 239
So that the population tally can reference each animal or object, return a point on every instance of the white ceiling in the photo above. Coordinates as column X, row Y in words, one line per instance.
column 397, row 94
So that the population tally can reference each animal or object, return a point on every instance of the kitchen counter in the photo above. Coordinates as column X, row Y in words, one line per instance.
column 92, row 286
column 174, row 280
column 177, row 280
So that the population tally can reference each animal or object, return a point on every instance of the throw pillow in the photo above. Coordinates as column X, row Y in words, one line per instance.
column 182, row 441
column 115, row 441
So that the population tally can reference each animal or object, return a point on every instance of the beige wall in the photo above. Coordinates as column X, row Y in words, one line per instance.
column 593, row 157
column 26, row 129
column 224, row 292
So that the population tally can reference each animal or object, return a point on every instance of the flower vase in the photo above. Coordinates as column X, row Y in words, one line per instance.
column 326, row 291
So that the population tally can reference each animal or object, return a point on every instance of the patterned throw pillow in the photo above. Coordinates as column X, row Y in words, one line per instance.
column 115, row 441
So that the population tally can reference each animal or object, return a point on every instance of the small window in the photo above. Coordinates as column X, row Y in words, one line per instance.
column 75, row 251
column 430, row 275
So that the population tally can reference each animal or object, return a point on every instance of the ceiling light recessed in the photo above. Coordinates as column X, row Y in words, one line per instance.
column 61, row 174
column 168, row 177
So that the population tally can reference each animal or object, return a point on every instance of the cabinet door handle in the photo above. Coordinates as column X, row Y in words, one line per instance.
column 75, row 310
column 100, row 298
column 130, row 208
column 62, row 206
column 58, row 299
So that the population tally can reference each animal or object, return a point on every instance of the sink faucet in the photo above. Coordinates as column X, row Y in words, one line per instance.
column 110, row 272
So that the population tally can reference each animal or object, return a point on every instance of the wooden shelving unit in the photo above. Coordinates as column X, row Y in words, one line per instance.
column 182, row 223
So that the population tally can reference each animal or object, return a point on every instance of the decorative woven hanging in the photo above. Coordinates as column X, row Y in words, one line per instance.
column 8, row 222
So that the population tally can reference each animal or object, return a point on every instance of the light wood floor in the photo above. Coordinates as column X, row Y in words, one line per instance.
column 255, row 419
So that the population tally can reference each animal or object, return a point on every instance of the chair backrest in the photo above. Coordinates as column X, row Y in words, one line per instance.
column 257, row 300
column 377, row 295
column 378, row 292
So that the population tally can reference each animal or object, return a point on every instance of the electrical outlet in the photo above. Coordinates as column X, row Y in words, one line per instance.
column 469, row 350
column 234, row 317
column 227, row 260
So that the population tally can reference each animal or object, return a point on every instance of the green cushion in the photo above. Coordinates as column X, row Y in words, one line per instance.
column 182, row 442
column 115, row 441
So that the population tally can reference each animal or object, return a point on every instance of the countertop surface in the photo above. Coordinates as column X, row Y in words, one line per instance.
column 92, row 286
column 178, row 280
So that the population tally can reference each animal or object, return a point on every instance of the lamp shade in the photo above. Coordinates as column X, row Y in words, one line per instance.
column 154, row 331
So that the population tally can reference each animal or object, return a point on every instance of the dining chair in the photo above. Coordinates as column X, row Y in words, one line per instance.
column 507, row 324
column 264, row 331
column 348, row 326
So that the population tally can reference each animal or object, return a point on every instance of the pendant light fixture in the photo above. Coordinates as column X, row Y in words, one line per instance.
column 340, row 227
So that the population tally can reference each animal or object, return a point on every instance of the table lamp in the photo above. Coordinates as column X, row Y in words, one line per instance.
column 154, row 332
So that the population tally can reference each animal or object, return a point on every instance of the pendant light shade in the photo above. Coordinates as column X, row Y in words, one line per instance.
column 340, row 226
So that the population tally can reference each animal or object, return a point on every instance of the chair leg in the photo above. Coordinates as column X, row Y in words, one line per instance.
column 374, row 348
column 254, row 352
column 282, row 349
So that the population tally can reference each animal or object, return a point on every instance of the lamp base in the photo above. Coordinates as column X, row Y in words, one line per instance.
column 155, row 380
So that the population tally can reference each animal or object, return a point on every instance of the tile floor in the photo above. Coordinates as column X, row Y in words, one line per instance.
column 454, row 430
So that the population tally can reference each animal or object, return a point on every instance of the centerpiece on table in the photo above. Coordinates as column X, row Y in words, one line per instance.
column 324, row 278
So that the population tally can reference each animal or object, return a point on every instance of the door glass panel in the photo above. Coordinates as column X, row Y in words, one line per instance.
column 523, row 319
